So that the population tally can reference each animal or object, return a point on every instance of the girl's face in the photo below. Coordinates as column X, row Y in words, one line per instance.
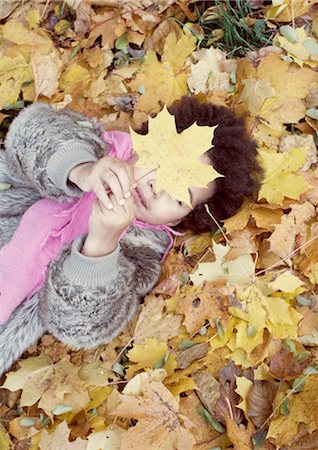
column 158, row 208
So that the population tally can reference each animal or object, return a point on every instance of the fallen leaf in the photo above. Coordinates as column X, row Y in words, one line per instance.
column 200, row 304
column 280, row 178
column 186, row 357
column 108, row 439
column 146, row 355
column 46, row 71
column 284, row 366
column 158, row 420
column 303, row 408
column 58, row 440
column 259, row 401
column 208, row 389
column 153, row 323
column 239, row 435
column 255, row 92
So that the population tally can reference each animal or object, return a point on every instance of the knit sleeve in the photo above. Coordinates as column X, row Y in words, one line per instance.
column 88, row 301
column 42, row 146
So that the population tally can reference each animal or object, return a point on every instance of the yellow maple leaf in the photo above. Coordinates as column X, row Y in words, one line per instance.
column 13, row 73
column 159, row 422
column 163, row 81
column 287, row 282
column 298, row 45
column 280, row 180
column 303, row 408
column 255, row 92
column 146, row 355
column 176, row 156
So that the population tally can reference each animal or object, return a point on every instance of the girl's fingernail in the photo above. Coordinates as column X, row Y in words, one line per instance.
column 121, row 202
column 110, row 206
column 127, row 195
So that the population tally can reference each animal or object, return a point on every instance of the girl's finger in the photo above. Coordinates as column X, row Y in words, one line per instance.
column 125, row 176
column 112, row 181
column 102, row 195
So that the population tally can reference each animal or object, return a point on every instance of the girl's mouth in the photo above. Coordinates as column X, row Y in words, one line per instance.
column 139, row 197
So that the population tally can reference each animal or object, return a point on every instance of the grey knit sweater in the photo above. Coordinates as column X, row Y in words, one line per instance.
column 86, row 301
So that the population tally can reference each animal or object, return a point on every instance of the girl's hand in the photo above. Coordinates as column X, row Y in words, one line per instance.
column 106, row 226
column 105, row 174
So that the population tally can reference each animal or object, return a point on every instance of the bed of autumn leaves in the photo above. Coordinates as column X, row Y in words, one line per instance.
column 223, row 352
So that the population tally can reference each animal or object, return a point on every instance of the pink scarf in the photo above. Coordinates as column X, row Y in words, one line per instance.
column 44, row 229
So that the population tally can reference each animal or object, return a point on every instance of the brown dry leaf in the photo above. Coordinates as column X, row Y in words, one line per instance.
column 282, row 240
column 226, row 404
column 303, row 408
column 46, row 71
column 241, row 243
column 208, row 389
column 284, row 366
column 259, row 401
column 22, row 432
column 159, row 422
column 303, row 440
column 153, row 323
column 185, row 357
column 239, row 435
column 59, row 439
column 206, row 437
column 201, row 303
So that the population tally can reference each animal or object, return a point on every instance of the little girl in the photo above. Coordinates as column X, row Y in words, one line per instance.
column 92, row 286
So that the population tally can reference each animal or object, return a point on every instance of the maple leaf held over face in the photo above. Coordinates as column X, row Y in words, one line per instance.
column 175, row 155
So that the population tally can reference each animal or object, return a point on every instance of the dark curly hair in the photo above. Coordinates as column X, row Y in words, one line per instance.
column 233, row 154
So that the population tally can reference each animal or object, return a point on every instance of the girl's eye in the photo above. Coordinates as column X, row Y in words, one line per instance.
column 180, row 203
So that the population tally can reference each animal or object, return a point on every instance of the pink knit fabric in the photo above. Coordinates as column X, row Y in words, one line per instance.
column 45, row 228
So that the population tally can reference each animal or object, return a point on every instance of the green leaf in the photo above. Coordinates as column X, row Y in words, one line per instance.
column 251, row 331
column 186, row 343
column 289, row 33
column 284, row 407
column 289, row 345
column 313, row 113
column 258, row 439
column 311, row 46
column 27, row 422
column 202, row 331
column 62, row 409
column 299, row 384
column 311, row 370
column 300, row 357
column 209, row 419
column 159, row 364
column 121, row 43
column 302, row 301
column 118, row 368
column 16, row 105
column 219, row 327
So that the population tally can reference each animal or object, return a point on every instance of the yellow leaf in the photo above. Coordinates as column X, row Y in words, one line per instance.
column 243, row 387
column 163, row 81
column 75, row 76
column 146, row 355
column 280, row 180
column 15, row 32
column 185, row 384
column 159, row 423
column 163, row 146
column 5, row 442
column 287, row 282
column 303, row 408
column 32, row 378
column 255, row 92
column 176, row 50
column 46, row 71
column 108, row 439
column 13, row 73
column 58, row 439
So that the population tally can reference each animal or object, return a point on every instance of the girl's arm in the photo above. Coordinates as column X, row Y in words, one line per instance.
column 42, row 146
column 87, row 301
